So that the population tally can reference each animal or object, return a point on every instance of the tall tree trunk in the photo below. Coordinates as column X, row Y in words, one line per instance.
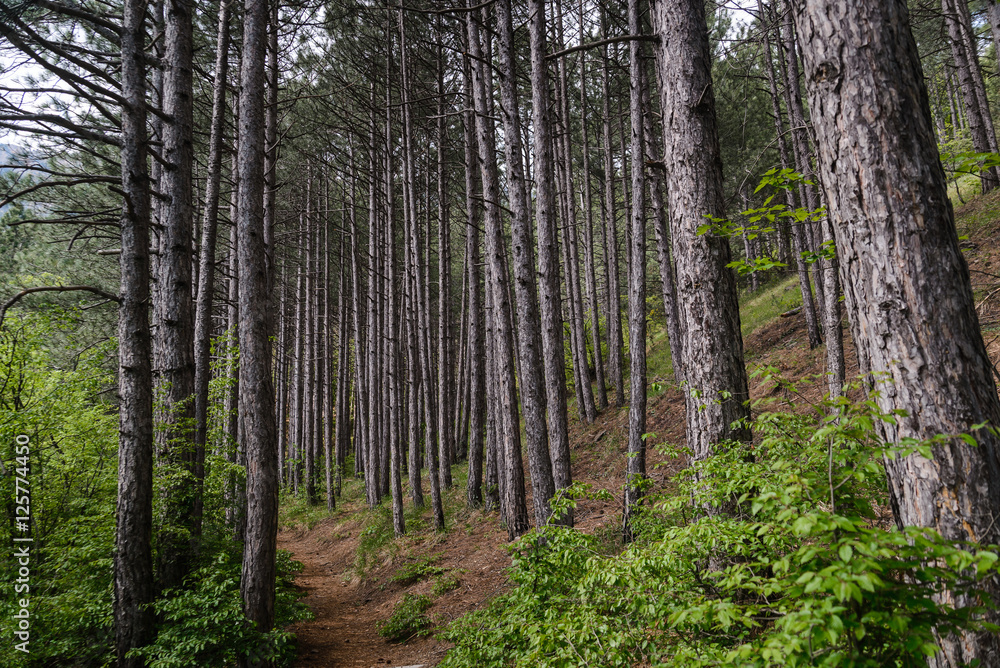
column 548, row 251
column 906, row 284
column 256, row 391
column 590, row 273
column 798, row 245
column 328, row 396
column 444, row 368
column 342, row 428
column 309, row 352
column 614, row 323
column 298, row 415
column 529, row 323
column 133, row 557
column 578, row 337
column 235, row 487
column 636, row 461
column 421, row 297
column 173, row 313
column 206, row 271
column 508, row 430
column 476, row 346
column 712, row 345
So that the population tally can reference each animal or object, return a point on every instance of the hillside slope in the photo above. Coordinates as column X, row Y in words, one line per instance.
column 355, row 574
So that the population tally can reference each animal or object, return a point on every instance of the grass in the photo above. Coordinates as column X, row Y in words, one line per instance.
column 763, row 307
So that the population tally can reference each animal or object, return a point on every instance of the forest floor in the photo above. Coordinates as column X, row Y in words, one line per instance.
column 353, row 576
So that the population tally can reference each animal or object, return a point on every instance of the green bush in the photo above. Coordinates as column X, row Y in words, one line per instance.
column 769, row 555
column 407, row 620
column 203, row 624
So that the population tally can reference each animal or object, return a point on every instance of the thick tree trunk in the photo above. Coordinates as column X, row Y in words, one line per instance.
column 133, row 557
column 906, row 284
column 173, row 313
column 548, row 251
column 529, row 323
column 256, row 391
column 712, row 345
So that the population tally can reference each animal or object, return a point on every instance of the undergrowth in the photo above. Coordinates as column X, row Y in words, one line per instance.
column 408, row 619
column 774, row 554
column 203, row 623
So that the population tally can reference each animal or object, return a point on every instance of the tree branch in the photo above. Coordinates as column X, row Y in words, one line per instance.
column 55, row 288
column 601, row 42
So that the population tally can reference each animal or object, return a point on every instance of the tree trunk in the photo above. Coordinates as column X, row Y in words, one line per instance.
column 800, row 143
column 133, row 557
column 667, row 281
column 476, row 346
column 444, row 367
column 578, row 337
column 529, row 339
column 420, row 293
column 590, row 273
column 906, row 283
column 636, row 462
column 614, row 323
column 206, row 271
column 712, row 345
column 513, row 502
column 256, row 391
column 548, row 251
column 173, row 341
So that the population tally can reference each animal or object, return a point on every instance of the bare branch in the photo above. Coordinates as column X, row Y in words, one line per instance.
column 55, row 288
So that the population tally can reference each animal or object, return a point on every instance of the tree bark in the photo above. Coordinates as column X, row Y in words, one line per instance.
column 133, row 557
column 476, row 346
column 173, row 313
column 529, row 323
column 636, row 461
column 206, row 271
column 548, row 251
column 590, row 273
column 712, row 345
column 513, row 503
column 614, row 323
column 906, row 283
column 257, row 580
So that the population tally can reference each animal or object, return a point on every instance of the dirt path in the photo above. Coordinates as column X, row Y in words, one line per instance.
column 347, row 608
